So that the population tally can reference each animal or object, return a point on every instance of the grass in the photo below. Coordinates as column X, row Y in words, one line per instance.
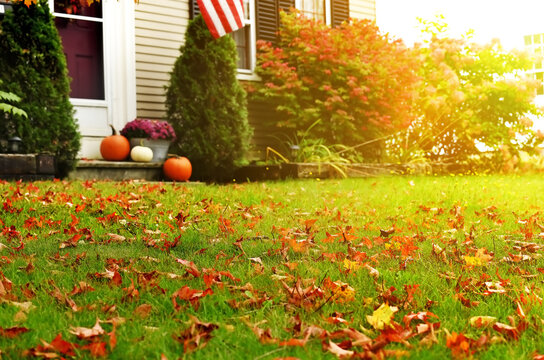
column 283, row 261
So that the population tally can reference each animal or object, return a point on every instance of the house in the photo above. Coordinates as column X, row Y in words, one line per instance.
column 120, row 53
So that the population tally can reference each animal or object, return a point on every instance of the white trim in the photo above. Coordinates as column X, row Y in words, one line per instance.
column 119, row 104
column 252, row 42
column 77, row 17
column 248, row 76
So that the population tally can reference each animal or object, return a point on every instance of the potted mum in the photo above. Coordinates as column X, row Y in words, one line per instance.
column 155, row 134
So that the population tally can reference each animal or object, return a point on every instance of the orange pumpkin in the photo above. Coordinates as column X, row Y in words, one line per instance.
column 115, row 147
column 177, row 168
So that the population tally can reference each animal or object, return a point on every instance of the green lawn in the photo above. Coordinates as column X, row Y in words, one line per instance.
column 420, row 267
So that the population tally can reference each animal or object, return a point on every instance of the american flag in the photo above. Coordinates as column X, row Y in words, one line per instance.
column 222, row 16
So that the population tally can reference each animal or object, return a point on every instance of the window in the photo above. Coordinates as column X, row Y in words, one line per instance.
column 315, row 9
column 245, row 39
column 539, row 77
column 528, row 39
column 80, row 27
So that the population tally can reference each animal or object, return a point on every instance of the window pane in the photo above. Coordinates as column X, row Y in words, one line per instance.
column 241, row 37
column 536, row 39
column 79, row 7
column 313, row 9
column 528, row 40
column 82, row 42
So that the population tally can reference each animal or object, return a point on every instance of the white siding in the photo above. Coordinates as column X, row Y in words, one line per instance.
column 160, row 30
column 362, row 9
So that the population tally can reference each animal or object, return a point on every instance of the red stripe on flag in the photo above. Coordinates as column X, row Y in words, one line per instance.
column 217, row 17
column 221, row 13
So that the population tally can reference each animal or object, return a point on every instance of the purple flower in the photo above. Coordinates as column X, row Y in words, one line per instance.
column 150, row 129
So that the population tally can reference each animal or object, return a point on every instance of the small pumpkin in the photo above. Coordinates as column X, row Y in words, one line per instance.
column 177, row 168
column 141, row 154
column 114, row 147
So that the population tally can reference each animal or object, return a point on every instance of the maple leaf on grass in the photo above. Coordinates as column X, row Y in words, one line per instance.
column 196, row 336
column 191, row 295
column 53, row 349
column 462, row 346
column 86, row 333
column 382, row 316
column 336, row 350
column 12, row 332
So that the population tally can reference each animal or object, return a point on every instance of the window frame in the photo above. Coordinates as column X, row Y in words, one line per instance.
column 249, row 74
column 85, row 101
column 328, row 12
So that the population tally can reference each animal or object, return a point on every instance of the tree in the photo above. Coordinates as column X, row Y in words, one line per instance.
column 353, row 82
column 472, row 97
column 206, row 104
column 35, row 68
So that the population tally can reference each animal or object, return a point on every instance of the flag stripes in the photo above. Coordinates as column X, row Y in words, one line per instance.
column 222, row 16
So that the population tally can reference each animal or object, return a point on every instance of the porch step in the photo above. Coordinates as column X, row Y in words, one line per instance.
column 117, row 170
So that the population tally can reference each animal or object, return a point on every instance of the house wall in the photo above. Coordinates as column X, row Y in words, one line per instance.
column 160, row 30
column 362, row 9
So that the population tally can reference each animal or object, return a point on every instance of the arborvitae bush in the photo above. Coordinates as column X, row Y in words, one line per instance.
column 207, row 105
column 34, row 67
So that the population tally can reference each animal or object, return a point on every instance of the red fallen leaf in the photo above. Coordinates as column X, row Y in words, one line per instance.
column 264, row 336
column 143, row 310
column 97, row 349
column 12, row 332
column 466, row 302
column 113, row 338
column 191, row 295
column 196, row 336
column 63, row 298
column 461, row 346
column 63, row 346
column 191, row 267
column 422, row 315
column 336, row 320
column 72, row 242
column 537, row 356
column 293, row 342
column 511, row 332
column 50, row 351
column 80, row 288
column 131, row 293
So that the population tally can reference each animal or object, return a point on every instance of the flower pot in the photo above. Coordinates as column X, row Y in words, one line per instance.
column 159, row 147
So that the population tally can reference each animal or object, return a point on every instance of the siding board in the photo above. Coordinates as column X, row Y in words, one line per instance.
column 160, row 28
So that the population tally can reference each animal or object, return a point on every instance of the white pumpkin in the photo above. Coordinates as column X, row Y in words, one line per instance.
column 141, row 154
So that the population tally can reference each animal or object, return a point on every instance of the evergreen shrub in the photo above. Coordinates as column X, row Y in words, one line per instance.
column 34, row 67
column 207, row 105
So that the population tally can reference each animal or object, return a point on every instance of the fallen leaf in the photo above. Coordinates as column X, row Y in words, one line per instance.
column 482, row 321
column 143, row 311
column 382, row 316
column 12, row 332
column 196, row 336
column 337, row 350
column 86, row 333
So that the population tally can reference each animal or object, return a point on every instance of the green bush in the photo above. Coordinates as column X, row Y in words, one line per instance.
column 356, row 82
column 206, row 104
column 34, row 67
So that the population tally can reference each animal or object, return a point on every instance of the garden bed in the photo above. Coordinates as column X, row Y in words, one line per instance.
column 325, row 170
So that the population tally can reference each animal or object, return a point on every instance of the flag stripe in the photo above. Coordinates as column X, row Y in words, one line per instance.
column 222, row 16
